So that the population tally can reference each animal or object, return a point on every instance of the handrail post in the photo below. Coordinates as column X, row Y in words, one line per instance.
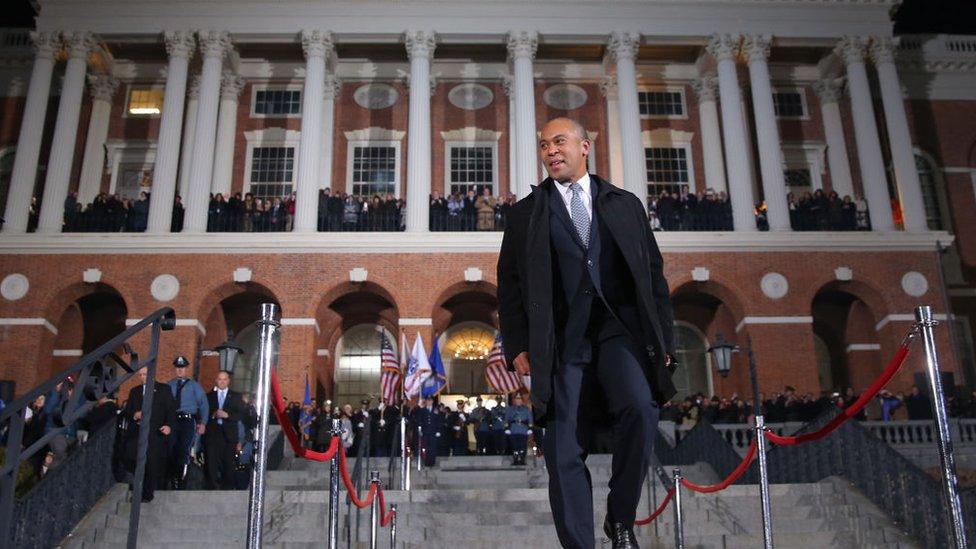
column 923, row 318
column 374, row 508
column 679, row 527
column 393, row 526
column 267, row 351
column 420, row 449
column 404, row 457
column 767, row 521
column 145, row 425
column 334, row 486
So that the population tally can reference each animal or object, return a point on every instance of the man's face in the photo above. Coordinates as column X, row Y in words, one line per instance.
column 143, row 375
column 518, row 401
column 183, row 371
column 563, row 151
column 223, row 380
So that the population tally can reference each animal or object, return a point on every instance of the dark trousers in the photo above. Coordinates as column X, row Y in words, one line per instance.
column 482, row 441
column 615, row 367
column 518, row 442
column 155, row 465
column 181, row 440
column 220, row 461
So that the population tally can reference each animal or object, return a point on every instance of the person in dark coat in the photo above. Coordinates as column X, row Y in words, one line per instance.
column 918, row 405
column 221, row 439
column 583, row 303
column 161, row 420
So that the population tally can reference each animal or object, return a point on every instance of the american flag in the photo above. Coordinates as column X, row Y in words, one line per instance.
column 497, row 374
column 390, row 368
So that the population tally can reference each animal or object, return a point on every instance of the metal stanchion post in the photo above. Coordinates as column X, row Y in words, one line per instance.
column 679, row 527
column 267, row 350
column 393, row 524
column 374, row 513
column 404, row 456
column 923, row 316
column 764, row 482
column 420, row 448
column 334, row 487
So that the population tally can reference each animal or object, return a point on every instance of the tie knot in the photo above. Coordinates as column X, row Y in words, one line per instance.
column 576, row 188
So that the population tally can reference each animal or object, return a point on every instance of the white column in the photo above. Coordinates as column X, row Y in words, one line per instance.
column 231, row 86
column 189, row 126
column 609, row 88
column 80, row 44
column 509, row 85
column 829, row 92
column 873, row 179
column 522, row 46
column 706, row 89
column 317, row 45
column 420, row 50
column 213, row 45
column 332, row 90
column 725, row 49
column 623, row 49
column 46, row 45
column 767, row 133
column 102, row 88
column 899, row 139
column 179, row 46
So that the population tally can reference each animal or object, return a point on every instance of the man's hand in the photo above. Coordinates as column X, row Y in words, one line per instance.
column 164, row 429
column 201, row 428
column 522, row 363
column 221, row 414
column 137, row 416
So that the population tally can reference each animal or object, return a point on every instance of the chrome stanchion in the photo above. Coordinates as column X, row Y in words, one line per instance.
column 420, row 448
column 923, row 317
column 374, row 508
column 404, row 457
column 764, row 482
column 679, row 527
column 334, row 486
column 393, row 524
column 267, row 351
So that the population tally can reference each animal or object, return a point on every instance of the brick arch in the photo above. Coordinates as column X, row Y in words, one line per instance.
column 861, row 289
column 65, row 296
column 844, row 319
column 214, row 296
column 442, row 317
column 718, row 289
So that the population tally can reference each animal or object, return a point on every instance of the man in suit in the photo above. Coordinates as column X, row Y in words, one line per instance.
column 221, row 440
column 585, row 309
column 161, row 421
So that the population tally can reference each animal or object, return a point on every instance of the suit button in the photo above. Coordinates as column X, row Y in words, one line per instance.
column 588, row 291
column 589, row 262
column 650, row 352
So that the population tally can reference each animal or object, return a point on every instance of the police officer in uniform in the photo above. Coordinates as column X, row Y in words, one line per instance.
column 383, row 425
column 518, row 427
column 360, row 426
column 458, row 421
column 499, row 439
column 481, row 418
column 192, row 412
column 427, row 424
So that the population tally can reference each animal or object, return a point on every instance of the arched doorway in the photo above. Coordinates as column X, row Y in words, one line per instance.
column 86, row 323
column 693, row 374
column 357, row 366
column 464, row 349
column 845, row 340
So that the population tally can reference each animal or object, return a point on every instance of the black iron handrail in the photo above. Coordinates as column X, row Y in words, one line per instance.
column 95, row 375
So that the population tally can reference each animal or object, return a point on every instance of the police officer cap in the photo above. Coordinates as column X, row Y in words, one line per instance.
column 462, row 401
column 364, row 401
column 181, row 362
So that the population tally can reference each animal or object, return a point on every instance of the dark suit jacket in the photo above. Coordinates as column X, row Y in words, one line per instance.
column 163, row 406
column 235, row 408
column 525, row 285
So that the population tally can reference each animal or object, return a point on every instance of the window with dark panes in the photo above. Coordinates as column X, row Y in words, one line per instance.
column 660, row 103
column 788, row 104
column 272, row 171
column 471, row 168
column 277, row 102
column 373, row 170
column 666, row 169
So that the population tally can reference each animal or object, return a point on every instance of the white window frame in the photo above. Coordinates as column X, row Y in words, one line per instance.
column 803, row 102
column 142, row 85
column 134, row 151
column 670, row 139
column 398, row 158
column 255, row 88
column 270, row 137
column 810, row 156
column 665, row 88
column 494, row 162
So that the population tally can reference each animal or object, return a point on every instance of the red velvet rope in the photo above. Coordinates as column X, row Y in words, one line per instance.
column 851, row 410
column 734, row 476
column 278, row 405
column 657, row 512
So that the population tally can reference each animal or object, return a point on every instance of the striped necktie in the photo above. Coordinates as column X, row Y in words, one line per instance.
column 580, row 218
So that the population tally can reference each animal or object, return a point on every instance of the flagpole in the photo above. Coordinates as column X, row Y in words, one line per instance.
column 404, row 459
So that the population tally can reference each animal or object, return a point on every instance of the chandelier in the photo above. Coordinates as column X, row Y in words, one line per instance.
column 471, row 350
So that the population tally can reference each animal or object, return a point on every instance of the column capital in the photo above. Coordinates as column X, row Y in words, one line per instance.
column 623, row 45
column 851, row 49
column 705, row 88
column 179, row 43
column 724, row 46
column 608, row 85
column 317, row 43
column 420, row 43
column 756, row 46
column 46, row 44
column 829, row 90
column 102, row 87
column 332, row 87
column 231, row 86
column 214, row 43
column 523, row 44
column 80, row 44
column 194, row 89
column 883, row 49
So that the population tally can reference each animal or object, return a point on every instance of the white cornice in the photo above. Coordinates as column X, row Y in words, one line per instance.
column 439, row 243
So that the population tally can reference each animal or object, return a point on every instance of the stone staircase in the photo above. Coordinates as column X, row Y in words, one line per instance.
column 483, row 502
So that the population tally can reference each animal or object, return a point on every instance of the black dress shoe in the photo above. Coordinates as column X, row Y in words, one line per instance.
column 621, row 535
